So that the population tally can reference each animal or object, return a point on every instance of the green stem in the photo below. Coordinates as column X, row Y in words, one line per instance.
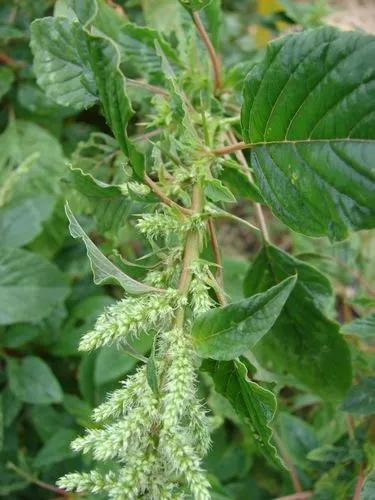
column 191, row 252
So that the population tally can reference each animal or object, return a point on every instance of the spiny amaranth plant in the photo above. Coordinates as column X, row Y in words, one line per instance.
column 301, row 143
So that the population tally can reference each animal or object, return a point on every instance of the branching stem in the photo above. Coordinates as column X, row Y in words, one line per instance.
column 191, row 252
column 155, row 188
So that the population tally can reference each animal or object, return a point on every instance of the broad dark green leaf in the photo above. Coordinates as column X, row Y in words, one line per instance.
column 361, row 398
column 298, row 438
column 30, row 286
column 47, row 420
column 254, row 405
column 11, row 406
column 303, row 341
column 102, row 268
column 309, row 113
column 19, row 334
column 55, row 449
column 227, row 332
column 32, row 381
column 21, row 221
column 363, row 328
column 62, row 62
column 27, row 152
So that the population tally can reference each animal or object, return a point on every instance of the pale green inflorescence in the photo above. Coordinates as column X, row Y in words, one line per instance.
column 158, row 440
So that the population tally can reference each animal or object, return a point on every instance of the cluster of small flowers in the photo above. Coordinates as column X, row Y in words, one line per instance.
column 131, row 316
column 199, row 290
column 158, row 440
column 135, row 187
column 168, row 275
column 165, row 225
column 160, row 225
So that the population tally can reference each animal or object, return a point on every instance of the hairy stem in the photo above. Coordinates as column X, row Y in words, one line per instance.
column 210, row 49
column 235, row 146
column 216, row 252
column 191, row 251
column 155, row 188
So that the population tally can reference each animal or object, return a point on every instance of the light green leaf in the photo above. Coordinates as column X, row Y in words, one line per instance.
column 363, row 328
column 216, row 191
column 32, row 381
column 6, row 80
column 86, row 184
column 361, row 398
column 254, row 405
column 302, row 342
column 227, row 332
column 34, row 100
column 56, row 449
column 309, row 113
column 30, row 286
column 137, row 46
column 61, row 62
column 21, row 221
column 27, row 153
column 103, row 269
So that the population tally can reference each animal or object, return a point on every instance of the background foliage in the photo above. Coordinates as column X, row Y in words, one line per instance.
column 50, row 153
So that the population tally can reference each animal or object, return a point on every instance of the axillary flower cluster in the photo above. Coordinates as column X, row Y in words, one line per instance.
column 151, row 436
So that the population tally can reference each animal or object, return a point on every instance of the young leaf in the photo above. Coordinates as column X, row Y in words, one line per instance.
column 216, row 191
column 137, row 46
column 102, row 268
column 30, row 286
column 227, row 332
column 361, row 398
column 308, row 111
column 62, row 63
column 56, row 449
column 32, row 381
column 302, row 341
column 254, row 405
